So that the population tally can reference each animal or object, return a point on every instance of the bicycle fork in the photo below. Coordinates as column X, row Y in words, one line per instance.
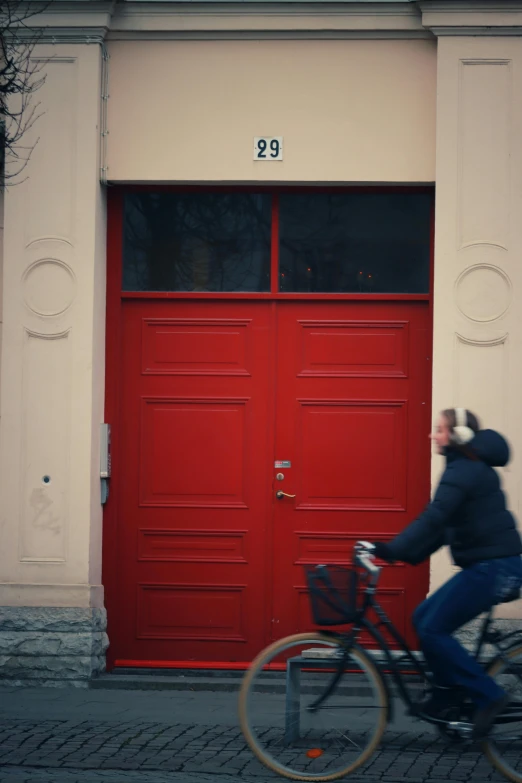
column 333, row 683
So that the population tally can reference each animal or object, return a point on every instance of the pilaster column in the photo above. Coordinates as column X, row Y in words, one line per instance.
column 52, row 620
column 478, row 231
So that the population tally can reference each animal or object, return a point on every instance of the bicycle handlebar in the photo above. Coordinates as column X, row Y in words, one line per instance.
column 366, row 559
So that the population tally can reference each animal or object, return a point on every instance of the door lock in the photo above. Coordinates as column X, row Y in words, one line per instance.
column 280, row 494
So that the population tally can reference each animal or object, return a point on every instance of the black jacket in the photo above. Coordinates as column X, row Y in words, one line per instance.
column 468, row 511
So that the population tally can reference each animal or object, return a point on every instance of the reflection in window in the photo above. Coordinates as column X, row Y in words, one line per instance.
column 196, row 242
column 355, row 242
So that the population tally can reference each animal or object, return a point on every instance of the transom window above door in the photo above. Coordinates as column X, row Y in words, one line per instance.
column 345, row 241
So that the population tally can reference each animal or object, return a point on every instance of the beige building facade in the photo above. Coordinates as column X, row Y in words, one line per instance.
column 364, row 94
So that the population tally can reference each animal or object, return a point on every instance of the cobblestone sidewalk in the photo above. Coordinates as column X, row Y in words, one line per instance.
column 64, row 751
column 67, row 736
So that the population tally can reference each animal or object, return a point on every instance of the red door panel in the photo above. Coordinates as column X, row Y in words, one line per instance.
column 194, row 504
column 209, row 562
column 352, row 419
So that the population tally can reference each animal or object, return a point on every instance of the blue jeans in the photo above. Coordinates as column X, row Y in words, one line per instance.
column 471, row 592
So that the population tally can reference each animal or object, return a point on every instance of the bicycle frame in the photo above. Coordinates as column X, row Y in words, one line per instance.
column 486, row 635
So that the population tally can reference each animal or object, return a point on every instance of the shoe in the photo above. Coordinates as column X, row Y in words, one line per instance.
column 484, row 718
column 439, row 704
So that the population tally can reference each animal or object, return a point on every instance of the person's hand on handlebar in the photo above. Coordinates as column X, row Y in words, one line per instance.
column 382, row 551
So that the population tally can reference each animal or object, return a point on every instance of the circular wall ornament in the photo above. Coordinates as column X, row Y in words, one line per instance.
column 49, row 287
column 483, row 293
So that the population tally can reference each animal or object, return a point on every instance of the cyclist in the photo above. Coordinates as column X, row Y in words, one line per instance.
column 468, row 512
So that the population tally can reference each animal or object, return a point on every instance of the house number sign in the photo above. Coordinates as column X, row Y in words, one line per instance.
column 268, row 148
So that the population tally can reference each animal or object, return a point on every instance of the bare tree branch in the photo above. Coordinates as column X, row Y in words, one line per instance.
column 20, row 78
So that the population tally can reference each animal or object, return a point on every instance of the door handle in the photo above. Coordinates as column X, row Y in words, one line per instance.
column 280, row 494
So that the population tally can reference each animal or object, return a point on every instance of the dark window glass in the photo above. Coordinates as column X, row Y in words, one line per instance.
column 196, row 242
column 355, row 242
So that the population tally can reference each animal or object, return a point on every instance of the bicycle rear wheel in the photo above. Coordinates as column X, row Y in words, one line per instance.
column 285, row 726
column 504, row 745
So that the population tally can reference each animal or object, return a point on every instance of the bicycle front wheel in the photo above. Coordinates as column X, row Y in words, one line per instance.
column 304, row 721
column 504, row 745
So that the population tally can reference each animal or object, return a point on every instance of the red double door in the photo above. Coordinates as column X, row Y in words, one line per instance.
column 222, row 406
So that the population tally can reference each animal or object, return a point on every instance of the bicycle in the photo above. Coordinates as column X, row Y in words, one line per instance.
column 299, row 683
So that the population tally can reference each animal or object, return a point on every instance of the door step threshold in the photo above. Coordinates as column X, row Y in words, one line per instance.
column 201, row 684
column 178, row 671
column 206, row 671
column 206, row 680
column 164, row 682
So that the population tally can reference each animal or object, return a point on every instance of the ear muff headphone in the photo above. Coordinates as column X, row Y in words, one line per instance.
column 461, row 434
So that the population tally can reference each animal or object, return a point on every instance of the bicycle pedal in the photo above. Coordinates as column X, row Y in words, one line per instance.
column 442, row 720
column 464, row 730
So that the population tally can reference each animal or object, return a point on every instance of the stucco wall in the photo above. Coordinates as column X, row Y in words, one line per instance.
column 52, row 384
column 478, row 244
column 187, row 111
column 1, row 286
column 349, row 111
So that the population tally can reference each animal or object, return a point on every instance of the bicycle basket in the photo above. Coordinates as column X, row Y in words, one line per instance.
column 333, row 594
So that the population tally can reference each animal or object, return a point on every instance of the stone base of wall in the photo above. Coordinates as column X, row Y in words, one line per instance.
column 52, row 647
column 57, row 647
column 468, row 634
